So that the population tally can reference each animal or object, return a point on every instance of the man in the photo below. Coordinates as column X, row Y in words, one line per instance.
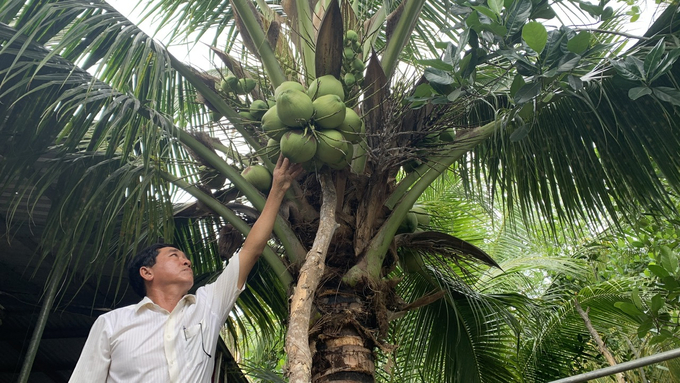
column 171, row 336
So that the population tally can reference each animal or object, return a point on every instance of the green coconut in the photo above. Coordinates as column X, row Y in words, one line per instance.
column 448, row 135
column 215, row 115
column 211, row 178
column 351, row 36
column 272, row 125
column 352, row 127
column 358, row 65
column 246, row 117
column 286, row 85
column 345, row 162
column 411, row 165
column 422, row 215
column 350, row 79
column 258, row 108
column 298, row 146
column 246, row 85
column 329, row 111
column 258, row 176
column 349, row 53
column 324, row 85
column 409, row 224
column 332, row 147
column 294, row 108
column 231, row 82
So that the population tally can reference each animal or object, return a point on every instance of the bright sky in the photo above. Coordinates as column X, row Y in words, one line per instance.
column 199, row 55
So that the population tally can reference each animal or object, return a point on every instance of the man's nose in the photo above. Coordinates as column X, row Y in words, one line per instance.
column 187, row 262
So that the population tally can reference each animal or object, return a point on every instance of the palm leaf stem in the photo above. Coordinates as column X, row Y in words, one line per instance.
column 377, row 249
column 53, row 288
column 373, row 31
column 305, row 30
column 265, row 51
column 269, row 255
column 402, row 34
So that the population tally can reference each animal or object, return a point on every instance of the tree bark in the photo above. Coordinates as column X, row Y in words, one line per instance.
column 297, row 338
column 596, row 336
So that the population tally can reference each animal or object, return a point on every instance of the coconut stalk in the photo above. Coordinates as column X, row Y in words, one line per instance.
column 297, row 337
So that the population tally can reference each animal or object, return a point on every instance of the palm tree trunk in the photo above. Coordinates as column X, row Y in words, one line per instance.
column 343, row 339
column 297, row 337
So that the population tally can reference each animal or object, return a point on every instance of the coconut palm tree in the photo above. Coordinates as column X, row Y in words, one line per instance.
column 107, row 124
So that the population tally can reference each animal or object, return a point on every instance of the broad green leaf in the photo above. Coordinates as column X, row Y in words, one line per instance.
column 517, row 83
column 436, row 63
column 657, row 303
column 666, row 63
column 496, row 6
column 635, row 297
column 644, row 328
column 485, row 11
column 575, row 82
column 528, row 92
column 521, row 131
column 637, row 92
column 518, row 14
column 670, row 95
column 626, row 70
column 548, row 97
column 472, row 21
column 579, row 43
column 449, row 55
column 453, row 96
column 593, row 10
column 423, row 90
column 438, row 76
column 653, row 58
column 543, row 12
column 669, row 259
column 535, row 35
column 496, row 28
column 656, row 339
column 658, row 271
column 526, row 69
column 568, row 63
column 628, row 308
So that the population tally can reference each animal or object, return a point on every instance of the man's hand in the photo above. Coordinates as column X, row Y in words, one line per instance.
column 284, row 174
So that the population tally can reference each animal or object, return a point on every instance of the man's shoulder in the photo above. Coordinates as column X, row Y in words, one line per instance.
column 119, row 312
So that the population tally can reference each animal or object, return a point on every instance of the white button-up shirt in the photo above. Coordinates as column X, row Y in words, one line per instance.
column 146, row 343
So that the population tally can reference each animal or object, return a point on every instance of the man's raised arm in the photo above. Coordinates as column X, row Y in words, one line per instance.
column 283, row 176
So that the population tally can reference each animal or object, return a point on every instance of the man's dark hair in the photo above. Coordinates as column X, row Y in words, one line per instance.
column 146, row 257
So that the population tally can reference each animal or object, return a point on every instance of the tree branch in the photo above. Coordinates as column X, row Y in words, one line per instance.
column 297, row 338
column 600, row 343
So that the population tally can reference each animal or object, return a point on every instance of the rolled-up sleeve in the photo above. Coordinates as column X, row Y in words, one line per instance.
column 223, row 292
column 94, row 361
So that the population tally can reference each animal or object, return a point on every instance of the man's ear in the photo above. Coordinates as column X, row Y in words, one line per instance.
column 146, row 273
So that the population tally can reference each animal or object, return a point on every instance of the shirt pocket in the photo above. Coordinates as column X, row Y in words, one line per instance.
column 196, row 343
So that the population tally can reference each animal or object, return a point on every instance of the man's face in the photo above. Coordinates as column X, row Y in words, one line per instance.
column 172, row 267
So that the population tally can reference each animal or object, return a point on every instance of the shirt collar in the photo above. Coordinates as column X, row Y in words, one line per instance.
column 148, row 303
